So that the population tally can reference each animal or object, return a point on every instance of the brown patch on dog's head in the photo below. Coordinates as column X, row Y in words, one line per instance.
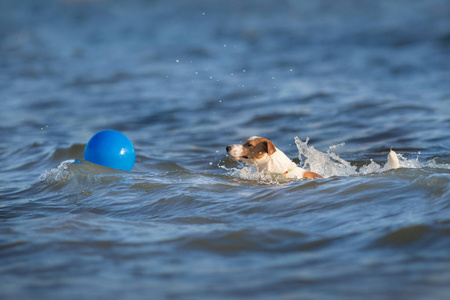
column 253, row 148
column 257, row 147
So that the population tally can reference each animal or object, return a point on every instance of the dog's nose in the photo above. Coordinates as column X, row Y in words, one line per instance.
column 228, row 148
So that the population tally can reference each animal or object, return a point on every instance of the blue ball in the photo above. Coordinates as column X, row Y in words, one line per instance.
column 111, row 149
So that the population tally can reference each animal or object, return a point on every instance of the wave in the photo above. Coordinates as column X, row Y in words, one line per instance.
column 72, row 168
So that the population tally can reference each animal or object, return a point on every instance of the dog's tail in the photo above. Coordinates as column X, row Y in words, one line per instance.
column 392, row 161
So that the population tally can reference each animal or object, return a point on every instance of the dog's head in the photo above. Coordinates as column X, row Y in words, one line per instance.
column 255, row 148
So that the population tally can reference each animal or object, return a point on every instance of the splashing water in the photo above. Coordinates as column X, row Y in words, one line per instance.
column 327, row 164
column 247, row 172
column 75, row 173
column 58, row 174
column 330, row 164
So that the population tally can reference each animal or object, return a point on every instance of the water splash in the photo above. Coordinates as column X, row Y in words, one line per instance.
column 327, row 164
column 247, row 172
column 75, row 172
column 330, row 164
column 58, row 174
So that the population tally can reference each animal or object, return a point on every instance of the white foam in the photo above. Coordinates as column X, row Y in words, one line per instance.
column 247, row 172
column 330, row 164
column 58, row 174
column 326, row 164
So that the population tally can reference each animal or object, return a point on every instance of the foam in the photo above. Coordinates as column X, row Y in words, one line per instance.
column 58, row 174
column 330, row 164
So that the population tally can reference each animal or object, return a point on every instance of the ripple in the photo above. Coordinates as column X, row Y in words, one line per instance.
column 249, row 240
column 405, row 237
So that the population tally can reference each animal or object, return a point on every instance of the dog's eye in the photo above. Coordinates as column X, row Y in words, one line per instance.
column 248, row 145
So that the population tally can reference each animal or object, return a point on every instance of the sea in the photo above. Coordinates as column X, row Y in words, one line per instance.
column 333, row 84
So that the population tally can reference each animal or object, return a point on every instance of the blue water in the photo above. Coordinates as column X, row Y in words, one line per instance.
column 183, row 79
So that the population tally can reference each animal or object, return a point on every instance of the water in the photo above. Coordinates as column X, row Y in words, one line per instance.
column 184, row 79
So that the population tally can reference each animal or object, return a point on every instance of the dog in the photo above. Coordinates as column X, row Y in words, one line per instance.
column 262, row 154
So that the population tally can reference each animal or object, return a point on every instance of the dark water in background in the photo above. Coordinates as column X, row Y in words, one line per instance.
column 183, row 79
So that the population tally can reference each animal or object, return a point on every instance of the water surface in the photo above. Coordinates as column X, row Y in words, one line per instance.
column 184, row 79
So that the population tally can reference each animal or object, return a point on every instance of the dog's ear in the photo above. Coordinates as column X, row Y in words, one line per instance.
column 270, row 147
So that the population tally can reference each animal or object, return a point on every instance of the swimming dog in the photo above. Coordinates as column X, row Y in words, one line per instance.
column 262, row 154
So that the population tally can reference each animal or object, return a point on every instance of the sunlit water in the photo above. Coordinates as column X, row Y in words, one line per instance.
column 334, row 85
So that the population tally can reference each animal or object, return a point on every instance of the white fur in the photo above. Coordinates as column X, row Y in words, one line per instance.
column 277, row 163
column 236, row 151
column 392, row 160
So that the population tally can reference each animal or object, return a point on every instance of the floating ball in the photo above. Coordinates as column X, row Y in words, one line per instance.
column 111, row 149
